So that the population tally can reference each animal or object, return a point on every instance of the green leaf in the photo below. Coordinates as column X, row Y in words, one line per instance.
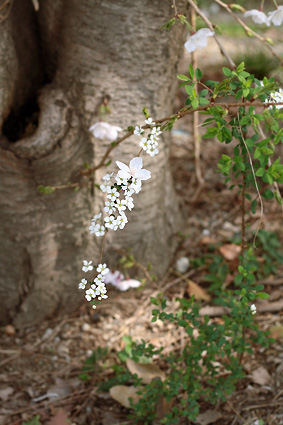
column 198, row 74
column 34, row 421
column 260, row 172
column 268, row 194
column 191, row 71
column 203, row 93
column 203, row 101
column 245, row 120
column 253, row 206
column 189, row 90
column 211, row 132
column 262, row 295
column 183, row 77
column 195, row 103
column 227, row 72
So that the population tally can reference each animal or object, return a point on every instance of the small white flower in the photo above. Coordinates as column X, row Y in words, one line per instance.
column 110, row 222
column 102, row 268
column 99, row 279
column 257, row 16
column 107, row 177
column 104, row 188
column 253, row 309
column 138, row 131
column 149, row 121
column 136, row 185
column 82, row 284
column 93, row 228
column 276, row 17
column 87, row 266
column 121, row 182
column 109, row 207
column 155, row 131
column 134, row 170
column 96, row 217
column 122, row 220
column 100, row 231
column 198, row 40
column 112, row 194
column 152, row 151
column 128, row 202
column 103, row 130
column 144, row 143
column 101, row 289
column 89, row 294
column 128, row 191
column 119, row 204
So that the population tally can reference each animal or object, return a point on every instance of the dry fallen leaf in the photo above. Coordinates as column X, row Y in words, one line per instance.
column 147, row 372
column 60, row 418
column 230, row 251
column 261, row 376
column 122, row 393
column 276, row 332
column 10, row 330
column 207, row 240
column 197, row 291
column 5, row 393
column 208, row 417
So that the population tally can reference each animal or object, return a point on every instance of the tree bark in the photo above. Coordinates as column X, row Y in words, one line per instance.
column 90, row 50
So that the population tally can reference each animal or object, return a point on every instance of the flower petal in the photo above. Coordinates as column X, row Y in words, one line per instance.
column 122, row 166
column 143, row 175
column 136, row 163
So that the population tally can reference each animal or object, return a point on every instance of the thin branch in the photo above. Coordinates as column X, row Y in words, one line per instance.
column 210, row 26
column 248, row 30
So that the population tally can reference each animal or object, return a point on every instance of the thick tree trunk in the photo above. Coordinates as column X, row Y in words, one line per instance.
column 91, row 50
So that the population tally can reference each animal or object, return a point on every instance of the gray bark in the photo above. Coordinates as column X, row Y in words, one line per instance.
column 91, row 49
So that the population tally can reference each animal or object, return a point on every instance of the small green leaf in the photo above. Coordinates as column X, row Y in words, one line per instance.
column 198, row 74
column 227, row 72
column 183, row 77
column 191, row 71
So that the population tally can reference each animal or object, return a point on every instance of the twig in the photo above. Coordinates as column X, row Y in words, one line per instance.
column 196, row 135
column 210, row 26
column 248, row 29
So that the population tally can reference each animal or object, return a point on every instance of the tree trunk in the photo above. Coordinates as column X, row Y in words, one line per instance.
column 60, row 63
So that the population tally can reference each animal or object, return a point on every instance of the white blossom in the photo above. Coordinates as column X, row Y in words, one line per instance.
column 253, row 309
column 89, row 294
column 82, row 284
column 87, row 266
column 134, row 170
column 257, row 16
column 102, row 268
column 198, row 40
column 276, row 17
column 112, row 194
column 107, row 177
column 138, row 131
column 109, row 207
column 276, row 97
column 144, row 143
column 149, row 121
column 93, row 228
column 104, row 188
column 110, row 222
column 103, row 130
column 122, row 220
column 96, row 217
column 136, row 185
column 128, row 202
column 100, row 231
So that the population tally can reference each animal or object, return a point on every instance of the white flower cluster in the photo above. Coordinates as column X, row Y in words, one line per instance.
column 253, row 309
column 149, row 143
column 97, row 286
column 276, row 97
column 275, row 17
column 119, row 191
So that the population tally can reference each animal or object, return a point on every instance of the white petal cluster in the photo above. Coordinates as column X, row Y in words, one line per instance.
column 275, row 17
column 103, row 130
column 276, row 97
column 119, row 190
column 253, row 309
column 257, row 16
column 97, row 286
column 150, row 142
column 199, row 40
